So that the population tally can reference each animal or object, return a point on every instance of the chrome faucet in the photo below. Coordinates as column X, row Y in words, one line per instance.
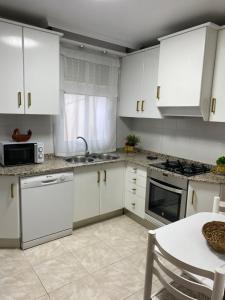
column 86, row 145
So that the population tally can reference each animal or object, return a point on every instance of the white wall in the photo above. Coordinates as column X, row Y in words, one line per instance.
column 189, row 138
column 41, row 127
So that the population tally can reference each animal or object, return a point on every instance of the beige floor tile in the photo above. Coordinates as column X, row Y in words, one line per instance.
column 96, row 256
column 59, row 271
column 122, row 276
column 137, row 296
column 113, row 283
column 6, row 253
column 80, row 239
column 126, row 245
column 13, row 264
column 46, row 297
column 25, row 285
column 44, row 252
column 85, row 289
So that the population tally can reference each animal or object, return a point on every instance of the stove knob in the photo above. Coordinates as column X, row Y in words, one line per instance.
column 40, row 149
column 40, row 156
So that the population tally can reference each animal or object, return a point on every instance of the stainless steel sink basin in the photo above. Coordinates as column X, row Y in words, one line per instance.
column 98, row 157
column 79, row 159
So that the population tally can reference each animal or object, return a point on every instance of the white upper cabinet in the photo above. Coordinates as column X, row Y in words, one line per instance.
column 11, row 71
column 130, row 85
column 218, row 90
column 41, row 71
column 29, row 69
column 139, row 72
column 186, row 64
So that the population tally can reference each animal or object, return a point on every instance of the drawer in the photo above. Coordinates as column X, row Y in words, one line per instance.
column 135, row 204
column 136, row 179
column 137, row 170
column 136, row 190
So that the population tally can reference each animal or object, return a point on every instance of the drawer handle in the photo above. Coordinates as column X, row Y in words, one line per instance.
column 29, row 99
column 193, row 198
column 105, row 178
column 19, row 99
column 142, row 105
column 98, row 176
column 133, row 204
column 134, row 179
column 12, row 190
column 137, row 106
column 213, row 106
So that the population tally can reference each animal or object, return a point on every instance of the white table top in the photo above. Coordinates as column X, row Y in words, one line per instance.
column 184, row 240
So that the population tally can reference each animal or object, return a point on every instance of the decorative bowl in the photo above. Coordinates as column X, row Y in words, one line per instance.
column 18, row 137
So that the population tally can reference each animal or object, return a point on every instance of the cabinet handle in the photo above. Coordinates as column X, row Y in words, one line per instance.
column 137, row 106
column 193, row 198
column 134, row 180
column 133, row 204
column 213, row 105
column 105, row 176
column 12, row 190
column 98, row 176
column 19, row 99
column 142, row 105
column 29, row 99
column 158, row 92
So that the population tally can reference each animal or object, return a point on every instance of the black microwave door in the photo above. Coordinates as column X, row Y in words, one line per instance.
column 164, row 203
column 18, row 154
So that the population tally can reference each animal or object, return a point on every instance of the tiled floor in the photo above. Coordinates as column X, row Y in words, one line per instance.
column 105, row 261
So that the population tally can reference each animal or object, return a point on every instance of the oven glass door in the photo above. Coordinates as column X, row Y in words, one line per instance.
column 164, row 201
column 18, row 154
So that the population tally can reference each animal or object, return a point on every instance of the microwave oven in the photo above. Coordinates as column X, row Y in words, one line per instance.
column 21, row 153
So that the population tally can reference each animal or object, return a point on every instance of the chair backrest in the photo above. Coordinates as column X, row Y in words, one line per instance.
column 166, row 266
column 218, row 205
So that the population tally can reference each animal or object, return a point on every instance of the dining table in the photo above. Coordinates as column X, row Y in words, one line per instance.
column 185, row 241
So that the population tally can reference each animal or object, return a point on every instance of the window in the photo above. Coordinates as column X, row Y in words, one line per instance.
column 88, row 103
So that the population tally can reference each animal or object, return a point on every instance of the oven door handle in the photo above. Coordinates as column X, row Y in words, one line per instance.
column 165, row 187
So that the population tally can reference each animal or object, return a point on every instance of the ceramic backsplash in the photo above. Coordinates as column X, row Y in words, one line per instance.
column 190, row 138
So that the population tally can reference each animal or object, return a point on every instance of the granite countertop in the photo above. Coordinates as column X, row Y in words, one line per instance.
column 55, row 164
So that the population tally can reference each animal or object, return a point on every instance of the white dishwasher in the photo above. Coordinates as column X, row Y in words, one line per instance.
column 46, row 208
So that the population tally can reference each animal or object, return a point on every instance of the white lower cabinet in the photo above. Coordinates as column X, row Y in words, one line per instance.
column 135, row 190
column 98, row 190
column 86, row 194
column 112, row 188
column 200, row 197
column 9, row 208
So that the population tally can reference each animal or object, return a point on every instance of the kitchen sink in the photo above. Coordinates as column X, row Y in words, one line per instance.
column 98, row 157
column 79, row 159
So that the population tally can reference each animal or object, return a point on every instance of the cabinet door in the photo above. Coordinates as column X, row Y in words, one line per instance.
column 218, row 89
column 41, row 71
column 149, row 84
column 86, row 193
column 11, row 71
column 130, row 85
column 112, row 188
column 201, row 196
column 9, row 208
column 180, row 69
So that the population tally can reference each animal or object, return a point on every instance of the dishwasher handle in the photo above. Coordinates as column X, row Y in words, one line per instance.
column 49, row 181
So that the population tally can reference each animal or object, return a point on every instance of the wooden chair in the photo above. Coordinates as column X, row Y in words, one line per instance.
column 156, row 254
column 218, row 205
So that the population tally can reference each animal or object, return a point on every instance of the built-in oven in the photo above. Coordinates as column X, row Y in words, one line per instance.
column 166, row 196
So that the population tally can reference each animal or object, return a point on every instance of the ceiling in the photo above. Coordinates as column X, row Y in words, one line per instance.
column 129, row 23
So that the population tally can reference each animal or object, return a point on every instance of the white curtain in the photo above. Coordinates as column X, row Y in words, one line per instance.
column 89, row 89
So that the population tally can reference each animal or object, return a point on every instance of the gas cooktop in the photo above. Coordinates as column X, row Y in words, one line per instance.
column 183, row 167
